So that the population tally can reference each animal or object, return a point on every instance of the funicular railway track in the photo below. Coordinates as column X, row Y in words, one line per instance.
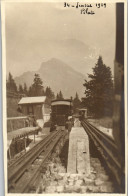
column 108, row 150
column 25, row 169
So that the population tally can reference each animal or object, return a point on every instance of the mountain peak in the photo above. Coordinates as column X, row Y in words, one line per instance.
column 58, row 75
column 54, row 59
column 54, row 62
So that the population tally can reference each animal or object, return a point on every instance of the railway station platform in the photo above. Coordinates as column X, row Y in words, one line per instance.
column 78, row 154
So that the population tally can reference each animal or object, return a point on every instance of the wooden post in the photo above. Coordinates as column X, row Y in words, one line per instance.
column 24, row 123
column 43, row 111
column 9, row 151
column 25, row 143
column 34, row 136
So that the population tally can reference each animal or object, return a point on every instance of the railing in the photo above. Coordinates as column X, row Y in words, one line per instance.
column 14, row 123
column 108, row 150
column 43, row 149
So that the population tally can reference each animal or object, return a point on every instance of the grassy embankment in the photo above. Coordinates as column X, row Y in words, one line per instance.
column 106, row 122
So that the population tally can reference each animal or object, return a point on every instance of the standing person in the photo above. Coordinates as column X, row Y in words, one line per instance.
column 81, row 117
column 68, row 125
column 27, row 123
column 34, row 122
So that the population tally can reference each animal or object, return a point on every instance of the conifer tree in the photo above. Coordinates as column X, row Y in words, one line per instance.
column 49, row 95
column 10, row 84
column 25, row 89
column 57, row 96
column 37, row 87
column 60, row 95
column 76, row 102
column 21, row 90
column 99, row 90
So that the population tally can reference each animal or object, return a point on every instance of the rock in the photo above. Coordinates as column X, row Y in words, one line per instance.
column 43, row 176
column 53, row 159
column 73, row 178
column 79, row 182
column 108, row 183
column 51, row 167
column 60, row 189
column 68, row 189
column 81, row 177
column 57, row 160
column 83, row 189
column 97, row 161
column 97, row 165
column 106, row 189
column 61, row 183
column 92, row 176
column 41, row 188
column 102, row 170
column 58, row 177
column 91, row 169
column 72, row 189
column 88, row 181
column 93, row 189
column 67, row 175
column 53, row 183
column 103, row 177
column 98, row 182
column 71, row 182
column 94, row 172
column 62, row 174
column 55, row 170
column 61, row 169
column 73, row 175
column 89, row 189
column 47, row 174
column 76, row 178
column 50, row 189
column 65, row 178
column 53, row 174
column 77, row 189
column 70, row 179
column 47, row 183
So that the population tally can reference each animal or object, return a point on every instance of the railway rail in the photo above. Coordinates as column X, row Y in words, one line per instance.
column 108, row 150
column 29, row 165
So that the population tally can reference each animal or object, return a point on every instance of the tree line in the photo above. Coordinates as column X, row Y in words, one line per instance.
column 98, row 97
column 36, row 89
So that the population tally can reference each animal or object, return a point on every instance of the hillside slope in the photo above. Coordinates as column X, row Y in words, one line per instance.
column 58, row 75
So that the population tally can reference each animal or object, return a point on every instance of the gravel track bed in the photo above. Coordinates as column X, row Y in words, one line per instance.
column 56, row 180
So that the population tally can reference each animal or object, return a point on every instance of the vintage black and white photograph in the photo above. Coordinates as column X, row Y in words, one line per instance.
column 64, row 97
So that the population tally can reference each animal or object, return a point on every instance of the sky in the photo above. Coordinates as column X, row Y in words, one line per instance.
column 37, row 32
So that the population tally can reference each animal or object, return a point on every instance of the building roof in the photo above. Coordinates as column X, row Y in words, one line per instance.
column 56, row 100
column 29, row 100
column 61, row 102
column 83, row 109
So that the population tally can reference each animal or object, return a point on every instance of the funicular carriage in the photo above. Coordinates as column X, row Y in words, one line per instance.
column 61, row 110
column 83, row 112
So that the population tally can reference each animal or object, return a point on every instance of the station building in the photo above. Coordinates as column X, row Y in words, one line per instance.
column 35, row 106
